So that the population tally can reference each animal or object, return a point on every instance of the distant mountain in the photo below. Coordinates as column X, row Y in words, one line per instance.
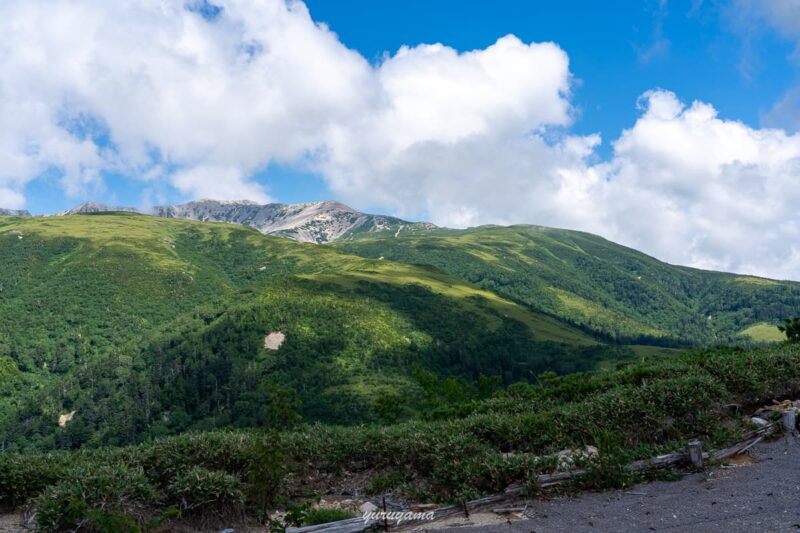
column 14, row 212
column 316, row 222
column 93, row 207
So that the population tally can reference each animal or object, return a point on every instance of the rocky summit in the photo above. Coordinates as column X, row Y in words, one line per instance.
column 14, row 212
column 317, row 222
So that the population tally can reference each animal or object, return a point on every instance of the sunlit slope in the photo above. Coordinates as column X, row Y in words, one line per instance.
column 762, row 332
column 145, row 326
column 87, row 283
column 106, row 279
column 612, row 290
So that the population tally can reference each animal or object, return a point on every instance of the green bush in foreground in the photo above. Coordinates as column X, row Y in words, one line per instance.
column 637, row 410
column 97, row 498
column 200, row 489
column 24, row 476
column 323, row 516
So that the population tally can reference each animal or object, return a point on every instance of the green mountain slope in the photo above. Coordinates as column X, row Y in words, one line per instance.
column 609, row 289
column 145, row 326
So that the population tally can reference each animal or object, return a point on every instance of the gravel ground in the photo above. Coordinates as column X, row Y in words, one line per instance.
column 759, row 497
column 11, row 523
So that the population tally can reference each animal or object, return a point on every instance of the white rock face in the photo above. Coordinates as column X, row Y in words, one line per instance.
column 14, row 212
column 93, row 207
column 274, row 340
column 316, row 222
column 65, row 418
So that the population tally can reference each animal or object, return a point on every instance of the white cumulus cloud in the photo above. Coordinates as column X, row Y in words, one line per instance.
column 696, row 189
column 90, row 86
column 451, row 131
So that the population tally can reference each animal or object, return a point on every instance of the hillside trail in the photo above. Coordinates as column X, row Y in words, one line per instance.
column 758, row 495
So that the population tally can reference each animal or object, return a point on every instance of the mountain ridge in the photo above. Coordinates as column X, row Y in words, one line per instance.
column 612, row 290
column 94, row 207
column 316, row 222
column 15, row 212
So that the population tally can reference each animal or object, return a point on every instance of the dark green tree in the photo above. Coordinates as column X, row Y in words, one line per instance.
column 791, row 327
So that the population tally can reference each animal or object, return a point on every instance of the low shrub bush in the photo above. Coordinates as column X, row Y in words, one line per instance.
column 638, row 410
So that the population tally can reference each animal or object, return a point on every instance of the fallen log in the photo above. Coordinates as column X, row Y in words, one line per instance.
column 351, row 525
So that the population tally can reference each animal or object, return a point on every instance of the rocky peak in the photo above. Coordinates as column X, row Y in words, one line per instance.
column 316, row 222
column 94, row 207
column 14, row 212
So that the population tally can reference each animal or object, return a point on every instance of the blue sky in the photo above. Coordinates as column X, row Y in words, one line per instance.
column 670, row 126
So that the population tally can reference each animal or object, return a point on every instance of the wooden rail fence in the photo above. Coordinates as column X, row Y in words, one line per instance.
column 693, row 455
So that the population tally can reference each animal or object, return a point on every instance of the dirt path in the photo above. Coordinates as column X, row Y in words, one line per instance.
column 760, row 497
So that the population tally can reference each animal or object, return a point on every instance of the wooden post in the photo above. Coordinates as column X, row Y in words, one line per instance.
column 789, row 419
column 695, row 450
column 385, row 520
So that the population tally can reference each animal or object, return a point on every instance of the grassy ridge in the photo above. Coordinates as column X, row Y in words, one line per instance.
column 146, row 326
column 611, row 290
column 639, row 409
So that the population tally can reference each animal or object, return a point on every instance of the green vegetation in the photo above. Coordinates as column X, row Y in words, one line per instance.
column 145, row 327
column 763, row 332
column 471, row 447
column 791, row 327
column 613, row 292
column 323, row 516
column 158, row 369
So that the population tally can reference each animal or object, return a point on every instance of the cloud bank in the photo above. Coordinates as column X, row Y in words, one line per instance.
column 202, row 96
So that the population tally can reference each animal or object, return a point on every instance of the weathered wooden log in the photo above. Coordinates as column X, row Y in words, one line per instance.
column 658, row 461
column 548, row 480
column 351, row 525
column 724, row 453
column 511, row 492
